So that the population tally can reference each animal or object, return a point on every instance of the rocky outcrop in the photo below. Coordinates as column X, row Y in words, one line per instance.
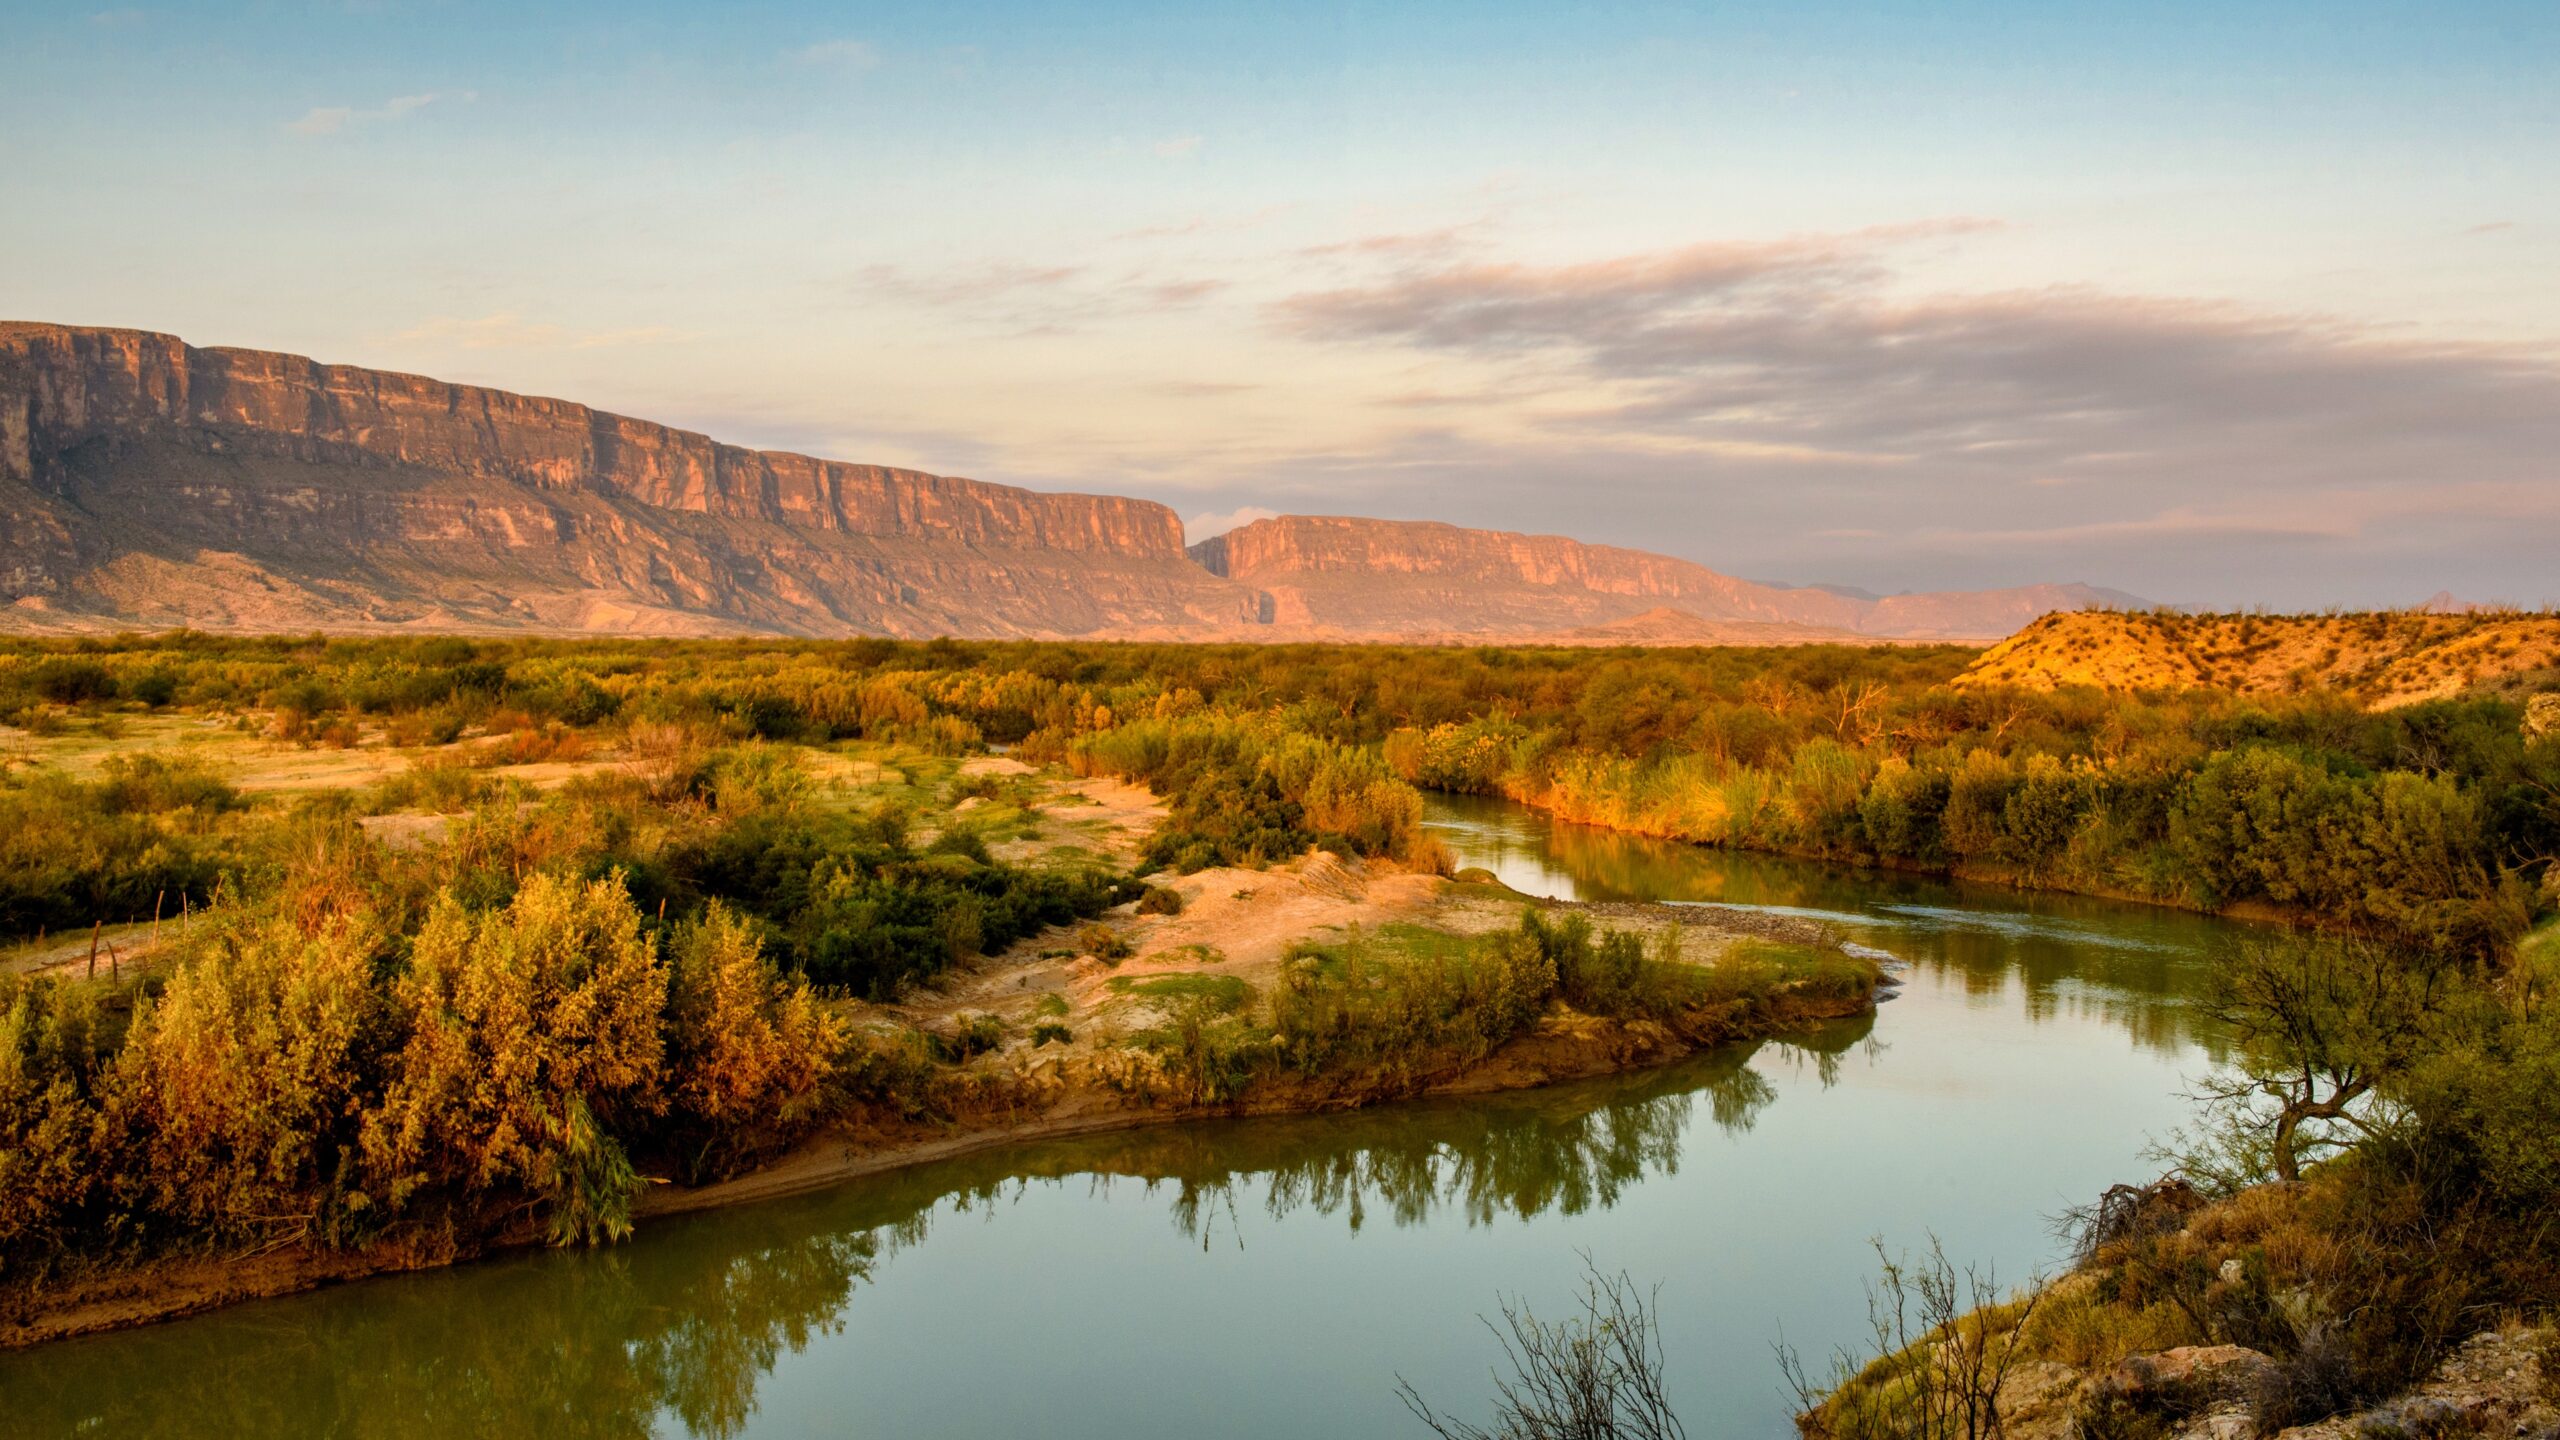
column 63, row 388
column 151, row 481
column 1390, row 575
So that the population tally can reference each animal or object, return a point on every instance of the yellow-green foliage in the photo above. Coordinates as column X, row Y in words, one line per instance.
column 524, row 1024
column 240, row 1087
column 307, row 1080
column 1245, row 790
column 746, row 1051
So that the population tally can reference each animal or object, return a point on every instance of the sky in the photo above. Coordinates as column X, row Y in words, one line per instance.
column 2222, row 304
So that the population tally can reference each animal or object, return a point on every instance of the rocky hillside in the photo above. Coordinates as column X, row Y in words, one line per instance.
column 147, row 482
column 1349, row 574
column 143, row 480
column 2386, row 658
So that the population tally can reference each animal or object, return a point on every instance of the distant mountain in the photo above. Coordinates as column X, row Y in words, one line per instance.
column 1384, row 576
column 146, row 482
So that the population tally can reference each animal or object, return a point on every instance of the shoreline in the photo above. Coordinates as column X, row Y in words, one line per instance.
column 2249, row 911
column 1566, row 1045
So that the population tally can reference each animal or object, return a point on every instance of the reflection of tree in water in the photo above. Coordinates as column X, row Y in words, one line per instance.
column 687, row 1320
column 2135, row 967
column 593, row 1344
column 1562, row 1151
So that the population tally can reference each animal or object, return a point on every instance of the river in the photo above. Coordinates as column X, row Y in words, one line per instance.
column 1276, row 1277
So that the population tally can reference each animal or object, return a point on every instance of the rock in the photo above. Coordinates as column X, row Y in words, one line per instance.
column 147, row 480
column 2492, row 1385
column 2188, row 1379
column 1374, row 576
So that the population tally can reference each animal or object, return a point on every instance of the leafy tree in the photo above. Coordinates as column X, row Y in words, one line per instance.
column 2321, row 1028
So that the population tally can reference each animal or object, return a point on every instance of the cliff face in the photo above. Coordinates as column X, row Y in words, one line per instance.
column 134, row 467
column 144, row 481
column 1336, row 571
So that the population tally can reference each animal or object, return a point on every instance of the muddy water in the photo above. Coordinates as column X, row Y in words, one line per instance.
column 1274, row 1278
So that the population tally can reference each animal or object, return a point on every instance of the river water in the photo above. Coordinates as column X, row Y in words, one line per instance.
column 1276, row 1277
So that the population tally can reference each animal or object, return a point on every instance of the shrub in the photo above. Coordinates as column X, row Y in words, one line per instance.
column 1160, row 900
column 745, row 1053
column 526, row 1022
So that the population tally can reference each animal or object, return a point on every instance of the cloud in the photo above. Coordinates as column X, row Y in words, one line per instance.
column 2165, row 444
column 1442, row 242
column 1204, row 224
column 507, row 330
column 1178, row 147
column 837, row 55
column 1807, row 347
column 331, row 119
column 1219, row 522
column 1035, row 299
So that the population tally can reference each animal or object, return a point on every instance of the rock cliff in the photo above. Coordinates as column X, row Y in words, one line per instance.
column 152, row 481
column 1379, row 575
column 145, row 481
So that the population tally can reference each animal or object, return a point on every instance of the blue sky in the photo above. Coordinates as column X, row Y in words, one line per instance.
column 2217, row 303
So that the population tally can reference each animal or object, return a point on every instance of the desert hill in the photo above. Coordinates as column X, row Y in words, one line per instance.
column 148, row 482
column 2386, row 658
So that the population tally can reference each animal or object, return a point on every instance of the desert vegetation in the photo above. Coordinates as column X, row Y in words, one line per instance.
column 405, row 948
column 427, row 943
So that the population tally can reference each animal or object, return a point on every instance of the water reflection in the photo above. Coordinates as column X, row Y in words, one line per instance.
column 685, row 1323
column 2127, row 965
column 1365, row 1240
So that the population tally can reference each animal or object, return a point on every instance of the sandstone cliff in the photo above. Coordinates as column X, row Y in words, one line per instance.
column 150, row 481
column 146, row 482
column 1377, row 575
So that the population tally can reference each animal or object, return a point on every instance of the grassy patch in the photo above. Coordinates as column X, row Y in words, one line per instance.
column 1219, row 994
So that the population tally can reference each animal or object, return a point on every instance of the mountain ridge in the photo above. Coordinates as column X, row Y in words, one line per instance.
column 1353, row 572
column 146, row 481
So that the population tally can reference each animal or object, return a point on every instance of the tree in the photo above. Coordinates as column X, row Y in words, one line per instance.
column 2320, row 1025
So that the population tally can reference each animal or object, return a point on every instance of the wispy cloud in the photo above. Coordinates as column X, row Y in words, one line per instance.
column 1036, row 299
column 1178, row 146
column 1206, row 224
column 331, row 119
column 1808, row 344
column 2152, row 440
column 507, row 330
